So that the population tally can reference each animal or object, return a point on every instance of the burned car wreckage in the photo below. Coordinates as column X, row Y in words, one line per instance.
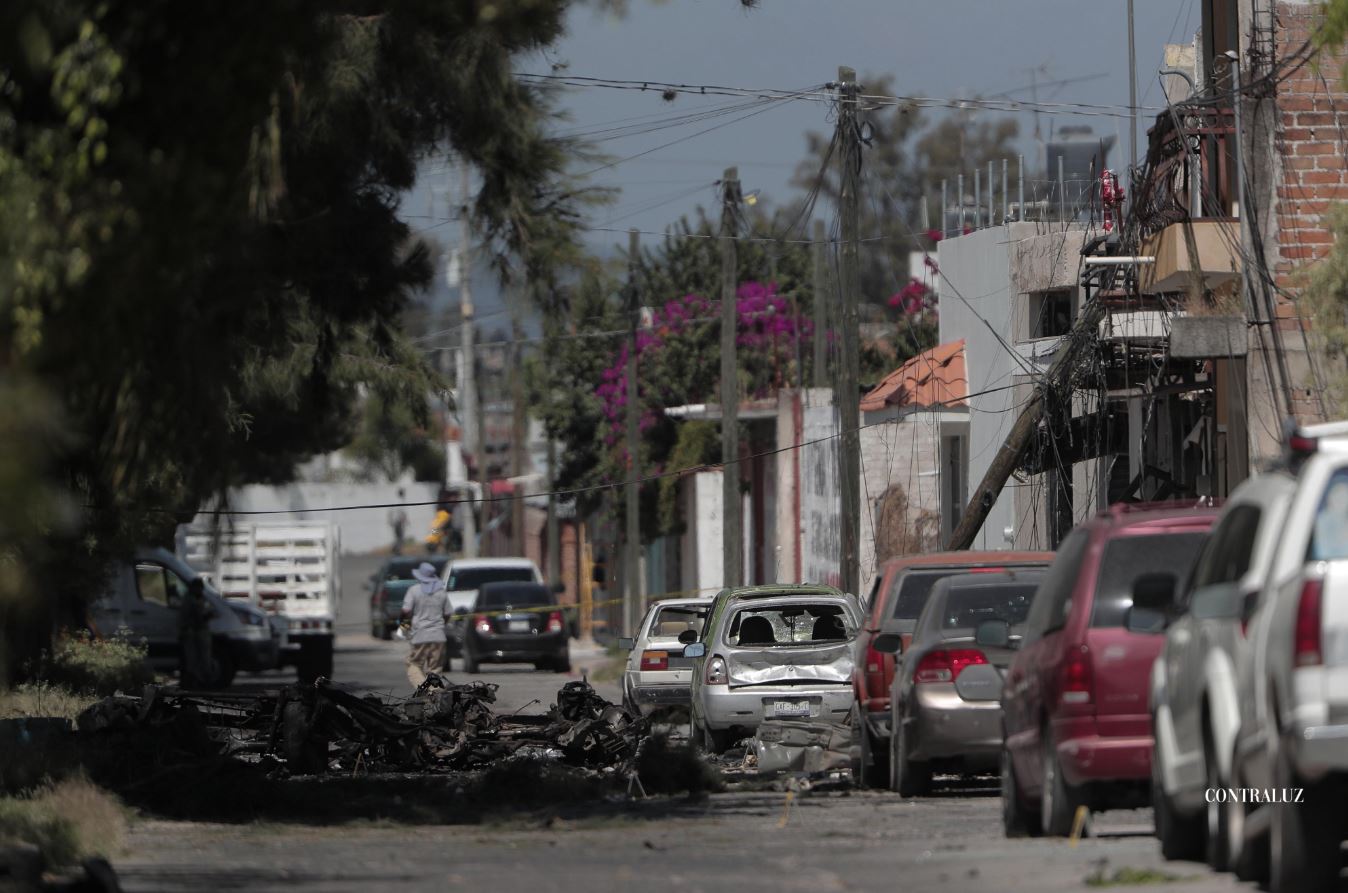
column 441, row 728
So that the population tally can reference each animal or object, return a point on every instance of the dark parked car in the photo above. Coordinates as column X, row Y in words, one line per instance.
column 516, row 622
column 946, row 713
column 1074, row 702
column 389, row 586
column 900, row 592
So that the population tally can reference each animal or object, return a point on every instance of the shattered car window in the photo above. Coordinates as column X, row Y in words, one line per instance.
column 672, row 621
column 794, row 624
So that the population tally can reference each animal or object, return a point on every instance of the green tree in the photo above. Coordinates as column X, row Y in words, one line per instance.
column 200, row 259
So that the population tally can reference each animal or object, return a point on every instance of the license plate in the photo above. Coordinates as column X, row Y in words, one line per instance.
column 517, row 626
column 791, row 708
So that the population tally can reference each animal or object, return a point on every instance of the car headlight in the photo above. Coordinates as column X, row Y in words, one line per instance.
column 250, row 618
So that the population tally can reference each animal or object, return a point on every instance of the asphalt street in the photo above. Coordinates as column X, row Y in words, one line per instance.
column 768, row 840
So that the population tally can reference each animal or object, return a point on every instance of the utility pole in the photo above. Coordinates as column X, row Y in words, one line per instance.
column 632, row 561
column 554, row 538
column 1132, row 97
column 472, row 438
column 847, row 396
column 732, row 529
column 1009, row 456
column 817, row 247
column 519, row 430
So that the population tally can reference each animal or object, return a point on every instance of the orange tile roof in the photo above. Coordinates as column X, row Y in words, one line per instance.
column 933, row 378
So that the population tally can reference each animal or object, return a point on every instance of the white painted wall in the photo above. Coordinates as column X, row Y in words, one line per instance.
column 363, row 529
column 903, row 451
column 819, row 509
column 704, row 565
column 977, row 267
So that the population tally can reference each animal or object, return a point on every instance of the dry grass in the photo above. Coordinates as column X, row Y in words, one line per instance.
column 68, row 821
column 42, row 699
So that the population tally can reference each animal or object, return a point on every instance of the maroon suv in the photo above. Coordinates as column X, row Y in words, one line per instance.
column 900, row 593
column 1074, row 700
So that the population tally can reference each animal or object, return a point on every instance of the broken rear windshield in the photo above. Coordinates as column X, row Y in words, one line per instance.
column 794, row 624
column 675, row 619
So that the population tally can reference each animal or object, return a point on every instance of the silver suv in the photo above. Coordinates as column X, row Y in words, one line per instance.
column 1293, row 696
column 1194, row 682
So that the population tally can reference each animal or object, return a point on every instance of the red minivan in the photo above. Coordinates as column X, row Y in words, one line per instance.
column 1077, row 731
column 898, row 597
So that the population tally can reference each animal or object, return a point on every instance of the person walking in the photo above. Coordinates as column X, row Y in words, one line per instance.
column 197, row 663
column 397, row 519
column 426, row 608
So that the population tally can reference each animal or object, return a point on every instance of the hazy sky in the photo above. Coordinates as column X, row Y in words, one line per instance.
column 939, row 48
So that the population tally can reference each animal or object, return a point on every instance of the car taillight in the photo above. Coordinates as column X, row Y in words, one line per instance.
column 1077, row 677
column 1306, row 644
column 874, row 660
column 945, row 664
column 481, row 623
column 655, row 660
column 715, row 674
column 555, row 622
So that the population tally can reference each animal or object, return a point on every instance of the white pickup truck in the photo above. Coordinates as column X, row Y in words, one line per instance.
column 289, row 569
column 1291, row 753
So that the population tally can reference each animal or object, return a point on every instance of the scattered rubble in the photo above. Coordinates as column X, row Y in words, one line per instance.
column 311, row 730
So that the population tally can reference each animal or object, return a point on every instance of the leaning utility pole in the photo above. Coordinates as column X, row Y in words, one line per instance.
column 472, row 438
column 632, row 607
column 817, row 247
column 847, row 396
column 1082, row 335
column 732, row 530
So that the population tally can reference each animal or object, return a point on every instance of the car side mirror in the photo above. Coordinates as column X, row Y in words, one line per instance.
column 559, row 588
column 688, row 637
column 888, row 643
column 1224, row 601
column 626, row 643
column 460, row 611
column 696, row 649
column 993, row 634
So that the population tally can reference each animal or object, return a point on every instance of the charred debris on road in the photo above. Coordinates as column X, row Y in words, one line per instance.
column 318, row 752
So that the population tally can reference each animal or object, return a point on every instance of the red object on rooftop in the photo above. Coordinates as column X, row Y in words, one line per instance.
column 935, row 378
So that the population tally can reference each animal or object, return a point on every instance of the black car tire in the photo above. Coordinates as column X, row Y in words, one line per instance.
column 562, row 664
column 1017, row 821
column 872, row 764
column 315, row 659
column 907, row 777
column 1058, row 808
column 1216, row 815
column 226, row 667
column 470, row 665
column 1181, row 837
column 376, row 629
column 1250, row 862
column 306, row 753
column 387, row 632
column 1304, row 837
